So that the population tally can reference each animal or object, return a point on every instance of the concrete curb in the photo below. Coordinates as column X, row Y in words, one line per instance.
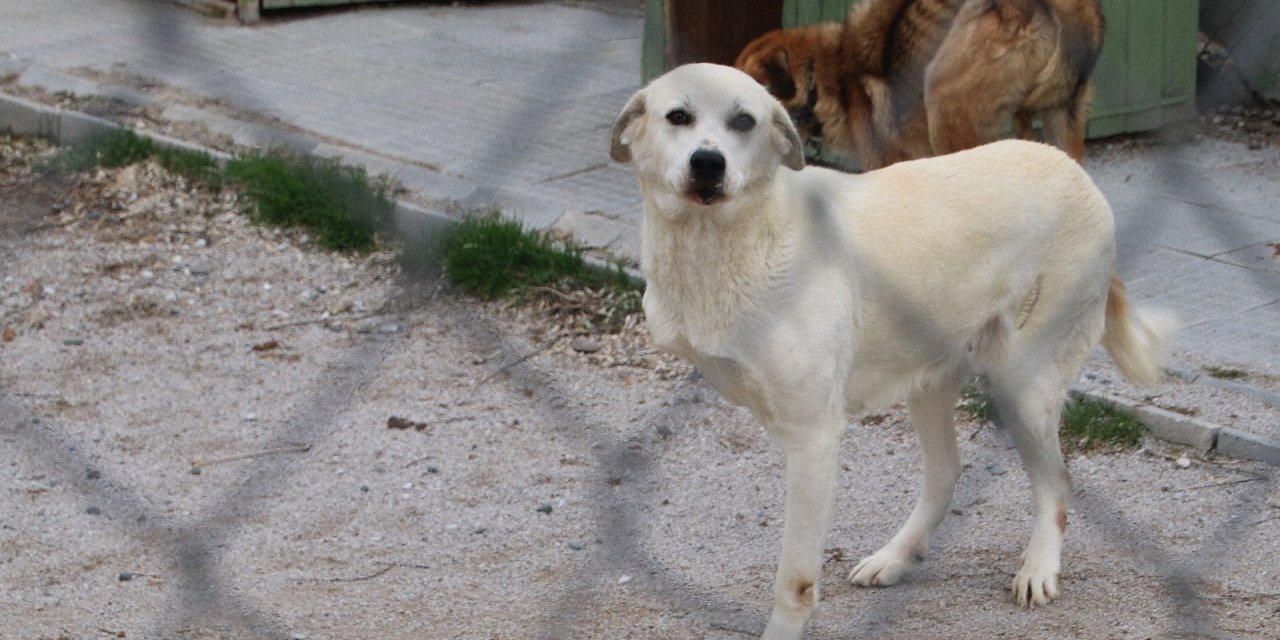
column 24, row 117
column 1182, row 429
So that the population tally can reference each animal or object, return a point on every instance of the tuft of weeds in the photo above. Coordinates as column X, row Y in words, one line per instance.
column 111, row 148
column 491, row 256
column 1087, row 425
column 1091, row 425
column 975, row 401
column 1225, row 373
column 338, row 203
column 121, row 147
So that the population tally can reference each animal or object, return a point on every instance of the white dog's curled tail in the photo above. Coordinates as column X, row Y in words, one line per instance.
column 1137, row 339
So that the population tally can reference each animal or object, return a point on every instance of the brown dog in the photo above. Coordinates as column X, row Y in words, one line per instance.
column 903, row 79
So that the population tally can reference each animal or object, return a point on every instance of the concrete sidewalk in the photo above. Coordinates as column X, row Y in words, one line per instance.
column 509, row 106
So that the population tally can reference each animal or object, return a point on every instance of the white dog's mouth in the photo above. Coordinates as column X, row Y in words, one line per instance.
column 706, row 193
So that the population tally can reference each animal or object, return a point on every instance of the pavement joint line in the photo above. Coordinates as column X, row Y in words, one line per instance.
column 25, row 117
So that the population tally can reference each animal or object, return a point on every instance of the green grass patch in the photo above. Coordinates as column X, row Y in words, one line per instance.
column 1091, row 425
column 337, row 203
column 491, row 256
column 122, row 147
column 975, row 401
column 1225, row 373
column 1087, row 425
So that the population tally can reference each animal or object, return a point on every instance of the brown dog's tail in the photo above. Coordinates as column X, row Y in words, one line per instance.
column 1137, row 339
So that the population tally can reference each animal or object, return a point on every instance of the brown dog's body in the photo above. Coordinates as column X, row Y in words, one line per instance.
column 903, row 79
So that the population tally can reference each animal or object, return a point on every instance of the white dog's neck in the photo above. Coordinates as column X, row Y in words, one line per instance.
column 687, row 260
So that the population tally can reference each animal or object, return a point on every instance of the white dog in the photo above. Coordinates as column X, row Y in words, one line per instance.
column 808, row 294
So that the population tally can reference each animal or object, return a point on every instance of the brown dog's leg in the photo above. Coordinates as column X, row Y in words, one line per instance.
column 1022, row 125
column 1065, row 128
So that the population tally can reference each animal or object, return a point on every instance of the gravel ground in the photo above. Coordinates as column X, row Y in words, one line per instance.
column 211, row 430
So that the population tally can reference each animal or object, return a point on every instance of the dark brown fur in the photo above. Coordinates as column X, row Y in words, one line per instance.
column 902, row 79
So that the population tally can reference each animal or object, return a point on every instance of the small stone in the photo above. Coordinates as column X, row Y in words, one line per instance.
column 93, row 511
column 576, row 545
column 125, row 576
column 9, row 334
column 250, row 417
column 364, row 488
column 1183, row 462
column 624, row 579
column 200, row 268
column 996, row 469
column 388, row 327
column 546, row 508
column 195, row 471
column 73, row 342
column 433, row 470
column 583, row 344
column 92, row 474
column 407, row 486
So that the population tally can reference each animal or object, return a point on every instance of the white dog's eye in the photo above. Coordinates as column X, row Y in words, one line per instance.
column 742, row 122
column 679, row 117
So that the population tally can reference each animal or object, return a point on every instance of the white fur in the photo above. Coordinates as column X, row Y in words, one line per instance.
column 808, row 294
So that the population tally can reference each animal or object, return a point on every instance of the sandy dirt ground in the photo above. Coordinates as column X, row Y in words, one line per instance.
column 210, row 429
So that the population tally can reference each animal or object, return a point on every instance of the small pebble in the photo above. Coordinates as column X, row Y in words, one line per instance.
column 195, row 471
column 576, row 545
column 92, row 474
column 250, row 417
column 73, row 342
column 583, row 344
column 407, row 486
column 389, row 327
column 433, row 470
column 996, row 469
column 364, row 488
column 546, row 508
column 93, row 511
column 1183, row 462
column 624, row 579
column 125, row 576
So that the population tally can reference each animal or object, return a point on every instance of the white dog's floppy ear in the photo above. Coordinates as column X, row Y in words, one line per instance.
column 784, row 136
column 628, row 127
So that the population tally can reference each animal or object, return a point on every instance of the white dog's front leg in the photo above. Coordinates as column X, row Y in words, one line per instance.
column 811, row 481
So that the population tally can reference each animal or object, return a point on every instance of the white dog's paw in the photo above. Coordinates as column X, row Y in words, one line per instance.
column 1032, row 589
column 881, row 569
column 780, row 629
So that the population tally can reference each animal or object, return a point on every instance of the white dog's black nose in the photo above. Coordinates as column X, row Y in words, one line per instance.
column 706, row 164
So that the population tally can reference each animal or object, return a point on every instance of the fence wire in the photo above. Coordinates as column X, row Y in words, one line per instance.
column 201, row 593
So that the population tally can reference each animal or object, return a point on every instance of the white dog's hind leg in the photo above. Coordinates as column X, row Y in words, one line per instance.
column 1031, row 410
column 811, row 482
column 932, row 412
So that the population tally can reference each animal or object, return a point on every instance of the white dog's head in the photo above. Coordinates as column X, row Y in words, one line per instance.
column 704, row 133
